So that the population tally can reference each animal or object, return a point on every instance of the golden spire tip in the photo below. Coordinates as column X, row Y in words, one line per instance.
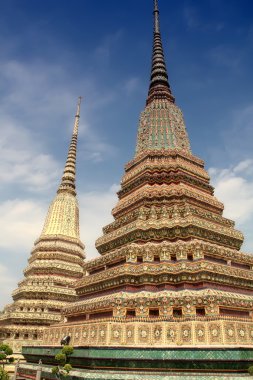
column 78, row 106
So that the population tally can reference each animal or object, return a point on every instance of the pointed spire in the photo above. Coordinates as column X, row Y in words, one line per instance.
column 69, row 174
column 159, row 87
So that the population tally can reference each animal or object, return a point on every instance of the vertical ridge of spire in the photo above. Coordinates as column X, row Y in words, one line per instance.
column 69, row 175
column 159, row 87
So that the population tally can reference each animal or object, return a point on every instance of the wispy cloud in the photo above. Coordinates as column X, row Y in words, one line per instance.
column 191, row 16
column 226, row 56
column 131, row 85
column 234, row 131
column 194, row 20
column 94, row 147
column 32, row 89
column 22, row 163
column 35, row 97
column 238, row 135
column 102, row 52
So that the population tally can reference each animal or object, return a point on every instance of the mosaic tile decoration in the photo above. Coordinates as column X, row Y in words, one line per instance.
column 228, row 354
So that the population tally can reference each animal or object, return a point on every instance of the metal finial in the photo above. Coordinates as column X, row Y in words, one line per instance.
column 75, row 131
column 78, row 105
column 156, row 19
column 156, row 6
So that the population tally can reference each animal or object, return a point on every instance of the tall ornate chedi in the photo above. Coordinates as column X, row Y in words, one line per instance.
column 56, row 262
column 170, row 289
column 170, row 271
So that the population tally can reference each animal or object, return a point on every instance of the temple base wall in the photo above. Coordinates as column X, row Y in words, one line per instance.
column 153, row 333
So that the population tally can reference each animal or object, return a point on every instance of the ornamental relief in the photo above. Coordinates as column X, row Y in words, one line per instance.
column 142, row 311
column 116, row 334
column 242, row 332
column 129, row 334
column 176, row 154
column 157, row 333
column 160, row 129
column 94, row 333
column 186, row 334
column 85, row 333
column 56, row 265
column 171, row 334
column 163, row 249
column 165, row 300
column 149, row 277
column 215, row 333
column 200, row 333
column 143, row 333
column 170, row 223
column 166, row 176
column 102, row 335
column 57, row 256
column 205, row 269
column 149, row 192
column 55, row 243
column 62, row 217
column 164, row 232
column 165, row 164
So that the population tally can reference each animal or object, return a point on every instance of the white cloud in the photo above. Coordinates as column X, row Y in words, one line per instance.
column 95, row 213
column 20, row 224
column 234, row 187
column 245, row 166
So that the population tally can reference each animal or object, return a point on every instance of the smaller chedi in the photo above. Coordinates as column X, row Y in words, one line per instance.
column 56, row 261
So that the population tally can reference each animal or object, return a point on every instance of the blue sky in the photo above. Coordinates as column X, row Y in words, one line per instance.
column 54, row 51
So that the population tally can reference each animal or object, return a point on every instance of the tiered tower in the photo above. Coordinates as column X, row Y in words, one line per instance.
column 170, row 271
column 56, row 261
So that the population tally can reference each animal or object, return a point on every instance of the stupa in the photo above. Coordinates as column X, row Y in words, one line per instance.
column 171, row 289
column 56, row 261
